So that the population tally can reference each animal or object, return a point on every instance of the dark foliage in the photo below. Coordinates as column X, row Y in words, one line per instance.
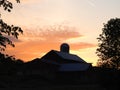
column 109, row 44
column 6, row 29
column 9, row 64
column 7, row 5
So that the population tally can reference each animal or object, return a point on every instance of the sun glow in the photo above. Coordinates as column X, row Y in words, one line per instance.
column 48, row 23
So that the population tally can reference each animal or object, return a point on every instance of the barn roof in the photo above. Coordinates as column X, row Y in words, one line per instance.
column 69, row 56
column 53, row 54
column 65, row 61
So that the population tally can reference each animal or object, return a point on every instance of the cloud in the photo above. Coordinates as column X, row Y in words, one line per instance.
column 30, row 50
column 13, row 39
column 55, row 33
column 82, row 45
column 36, row 42
column 35, row 49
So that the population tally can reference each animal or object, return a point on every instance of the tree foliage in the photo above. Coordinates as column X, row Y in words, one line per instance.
column 108, row 49
column 9, row 64
column 6, row 29
column 7, row 5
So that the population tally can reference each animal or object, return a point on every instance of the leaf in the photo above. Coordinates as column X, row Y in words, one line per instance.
column 18, row 1
column 9, row 10
column 20, row 30
column 6, row 29
column 109, row 43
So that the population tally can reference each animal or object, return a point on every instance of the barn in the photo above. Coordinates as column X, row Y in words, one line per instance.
column 66, row 66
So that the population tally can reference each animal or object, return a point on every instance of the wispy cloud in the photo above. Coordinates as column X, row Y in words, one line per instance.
column 54, row 33
column 36, row 42
column 13, row 39
column 82, row 45
column 30, row 50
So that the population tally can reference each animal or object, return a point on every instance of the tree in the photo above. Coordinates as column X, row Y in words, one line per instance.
column 6, row 29
column 108, row 49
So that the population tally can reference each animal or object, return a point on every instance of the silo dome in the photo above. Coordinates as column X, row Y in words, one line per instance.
column 64, row 48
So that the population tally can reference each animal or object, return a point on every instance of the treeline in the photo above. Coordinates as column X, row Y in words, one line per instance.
column 11, row 68
column 9, row 64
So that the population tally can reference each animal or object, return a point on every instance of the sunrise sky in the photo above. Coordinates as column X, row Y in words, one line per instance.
column 48, row 23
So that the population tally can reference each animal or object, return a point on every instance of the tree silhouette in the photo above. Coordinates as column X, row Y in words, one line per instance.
column 109, row 45
column 6, row 29
column 9, row 64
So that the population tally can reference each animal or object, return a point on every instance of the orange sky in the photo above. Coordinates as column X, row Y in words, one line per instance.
column 48, row 23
